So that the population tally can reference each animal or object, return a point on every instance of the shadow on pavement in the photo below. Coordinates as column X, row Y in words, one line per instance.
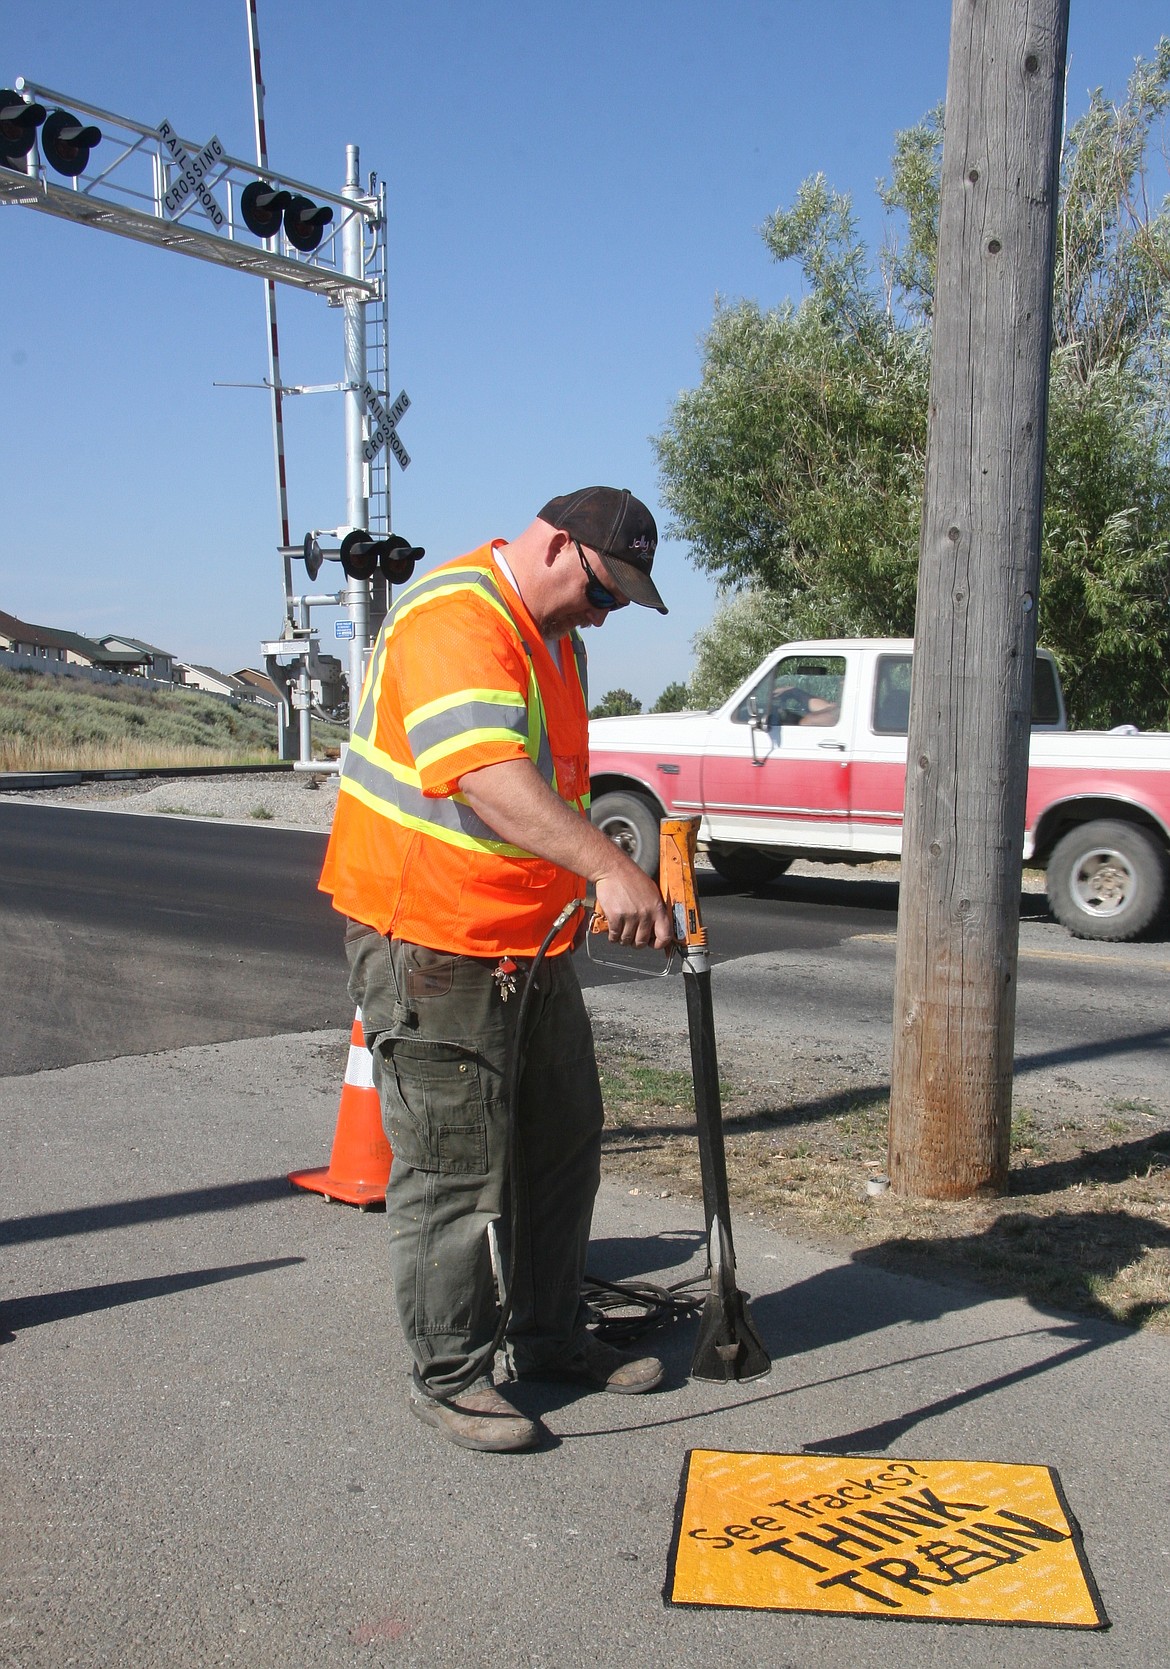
column 842, row 1304
column 676, row 1353
column 1104, row 1049
column 19, row 1314
column 887, row 1432
column 155, row 1208
column 621, row 1260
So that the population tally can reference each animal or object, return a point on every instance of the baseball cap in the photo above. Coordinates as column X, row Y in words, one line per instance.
column 613, row 522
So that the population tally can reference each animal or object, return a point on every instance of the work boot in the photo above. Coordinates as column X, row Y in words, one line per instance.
column 478, row 1418
column 602, row 1367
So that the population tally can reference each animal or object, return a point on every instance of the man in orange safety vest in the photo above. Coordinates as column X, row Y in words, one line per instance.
column 461, row 839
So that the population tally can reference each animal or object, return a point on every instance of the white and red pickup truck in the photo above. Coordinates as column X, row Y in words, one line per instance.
column 808, row 760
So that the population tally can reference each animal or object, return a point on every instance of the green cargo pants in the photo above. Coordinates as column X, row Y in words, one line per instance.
column 441, row 1035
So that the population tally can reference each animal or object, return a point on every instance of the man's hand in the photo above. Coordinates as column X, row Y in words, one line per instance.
column 513, row 799
column 633, row 906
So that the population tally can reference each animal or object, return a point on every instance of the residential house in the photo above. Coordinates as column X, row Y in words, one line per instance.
column 159, row 663
column 206, row 678
column 261, row 686
column 50, row 643
column 17, row 637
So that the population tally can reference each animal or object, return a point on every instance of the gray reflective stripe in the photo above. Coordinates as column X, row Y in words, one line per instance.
column 539, row 747
column 364, row 722
column 582, row 662
column 451, row 814
column 468, row 715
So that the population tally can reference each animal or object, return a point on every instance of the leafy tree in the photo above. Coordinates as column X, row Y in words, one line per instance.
column 744, row 629
column 795, row 469
column 672, row 700
column 614, row 703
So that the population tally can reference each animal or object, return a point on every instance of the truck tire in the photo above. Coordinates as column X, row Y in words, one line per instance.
column 746, row 866
column 1106, row 880
column 631, row 823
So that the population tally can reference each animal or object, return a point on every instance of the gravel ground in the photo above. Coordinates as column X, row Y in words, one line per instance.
column 286, row 799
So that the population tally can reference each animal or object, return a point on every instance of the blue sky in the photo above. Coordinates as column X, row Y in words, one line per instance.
column 571, row 185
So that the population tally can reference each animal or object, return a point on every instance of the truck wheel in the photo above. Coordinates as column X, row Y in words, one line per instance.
column 1106, row 880
column 631, row 823
column 746, row 866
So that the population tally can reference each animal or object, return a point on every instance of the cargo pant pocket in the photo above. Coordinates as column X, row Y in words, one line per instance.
column 434, row 1104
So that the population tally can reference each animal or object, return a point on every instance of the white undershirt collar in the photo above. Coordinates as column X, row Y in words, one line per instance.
column 552, row 644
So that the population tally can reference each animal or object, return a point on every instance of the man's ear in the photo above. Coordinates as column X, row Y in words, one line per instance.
column 559, row 541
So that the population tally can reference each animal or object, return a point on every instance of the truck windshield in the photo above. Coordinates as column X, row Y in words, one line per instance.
column 800, row 689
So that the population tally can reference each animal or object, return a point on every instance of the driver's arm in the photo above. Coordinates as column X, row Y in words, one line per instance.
column 821, row 711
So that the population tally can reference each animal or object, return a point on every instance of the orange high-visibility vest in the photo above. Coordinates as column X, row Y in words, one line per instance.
column 459, row 678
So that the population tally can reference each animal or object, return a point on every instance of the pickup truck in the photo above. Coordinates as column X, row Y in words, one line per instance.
column 807, row 759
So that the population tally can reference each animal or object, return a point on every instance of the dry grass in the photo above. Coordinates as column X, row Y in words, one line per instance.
column 65, row 724
column 1085, row 1225
column 127, row 754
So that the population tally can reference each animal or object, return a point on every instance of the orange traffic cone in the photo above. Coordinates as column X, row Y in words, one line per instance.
column 359, row 1165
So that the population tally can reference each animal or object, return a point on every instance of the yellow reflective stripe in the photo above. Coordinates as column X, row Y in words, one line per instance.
column 469, row 574
column 450, row 837
column 407, row 604
column 495, row 698
column 466, row 740
column 539, row 747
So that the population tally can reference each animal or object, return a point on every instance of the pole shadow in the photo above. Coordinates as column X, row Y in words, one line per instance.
column 17, row 1315
column 155, row 1208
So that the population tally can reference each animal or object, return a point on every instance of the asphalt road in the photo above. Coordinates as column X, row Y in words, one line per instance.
column 129, row 935
column 124, row 935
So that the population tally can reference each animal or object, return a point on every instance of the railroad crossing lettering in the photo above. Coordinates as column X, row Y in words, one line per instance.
column 192, row 181
column 949, row 1541
column 385, row 430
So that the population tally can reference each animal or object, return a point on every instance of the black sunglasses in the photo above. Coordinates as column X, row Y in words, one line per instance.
column 596, row 594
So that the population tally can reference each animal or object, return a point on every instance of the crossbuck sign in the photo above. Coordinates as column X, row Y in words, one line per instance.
column 385, row 430
column 192, row 181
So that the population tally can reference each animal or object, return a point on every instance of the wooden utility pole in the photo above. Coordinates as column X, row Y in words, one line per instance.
column 975, row 627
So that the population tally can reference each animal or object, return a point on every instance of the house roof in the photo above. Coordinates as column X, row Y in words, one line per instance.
column 36, row 635
column 258, row 680
column 137, row 643
column 54, row 637
column 224, row 678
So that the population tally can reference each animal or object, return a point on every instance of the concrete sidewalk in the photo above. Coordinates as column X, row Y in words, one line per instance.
column 208, row 1457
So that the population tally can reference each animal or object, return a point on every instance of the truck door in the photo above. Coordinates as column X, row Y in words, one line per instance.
column 878, row 780
column 776, row 765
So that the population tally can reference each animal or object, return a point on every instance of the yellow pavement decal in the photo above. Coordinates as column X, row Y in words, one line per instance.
column 953, row 1541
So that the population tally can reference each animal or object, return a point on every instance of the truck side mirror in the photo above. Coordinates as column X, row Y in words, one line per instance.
column 757, row 721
